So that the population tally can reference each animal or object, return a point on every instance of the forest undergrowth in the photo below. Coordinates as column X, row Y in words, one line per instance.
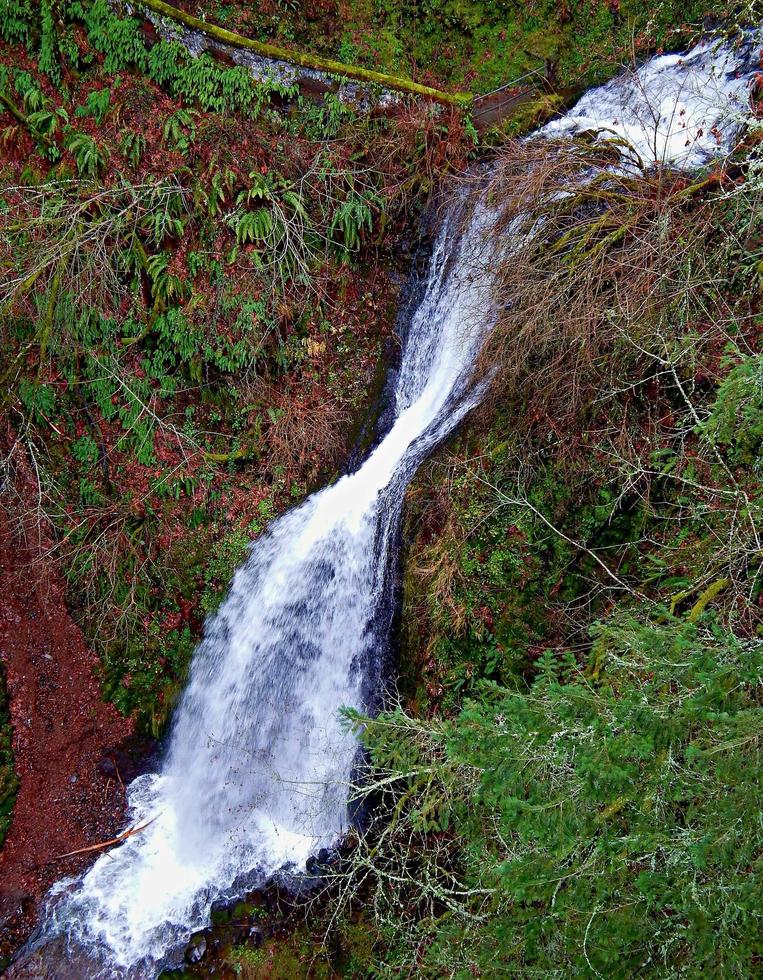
column 198, row 285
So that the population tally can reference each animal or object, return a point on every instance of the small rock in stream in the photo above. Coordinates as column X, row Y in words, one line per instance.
column 195, row 952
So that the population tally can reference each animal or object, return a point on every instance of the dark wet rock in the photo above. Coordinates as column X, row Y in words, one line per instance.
column 312, row 866
column 236, row 935
column 255, row 936
column 259, row 898
column 196, row 950
column 53, row 960
column 107, row 767
column 220, row 913
column 223, row 56
column 134, row 757
column 318, row 863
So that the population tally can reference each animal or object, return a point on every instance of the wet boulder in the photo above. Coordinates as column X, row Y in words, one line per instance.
column 196, row 949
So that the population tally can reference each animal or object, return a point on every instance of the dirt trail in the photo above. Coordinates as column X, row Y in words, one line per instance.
column 63, row 732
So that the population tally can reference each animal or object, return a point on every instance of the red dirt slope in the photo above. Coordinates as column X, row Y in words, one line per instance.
column 62, row 732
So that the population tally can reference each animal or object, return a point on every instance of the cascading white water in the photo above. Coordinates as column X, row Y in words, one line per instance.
column 257, row 769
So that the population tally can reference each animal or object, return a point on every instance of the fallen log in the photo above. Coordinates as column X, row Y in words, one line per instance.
column 309, row 61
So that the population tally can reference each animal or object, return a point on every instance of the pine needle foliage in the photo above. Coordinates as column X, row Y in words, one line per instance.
column 604, row 822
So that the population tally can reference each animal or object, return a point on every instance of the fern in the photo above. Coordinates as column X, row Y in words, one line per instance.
column 325, row 121
column 261, row 189
column 39, row 400
column 254, row 226
column 96, row 105
column 89, row 493
column 351, row 218
column 178, row 337
column 48, row 58
column 43, row 117
column 85, row 450
column 118, row 39
column 133, row 146
column 220, row 189
column 16, row 19
column 196, row 81
column 47, row 120
column 165, row 286
column 180, row 130
column 167, row 217
column 203, row 82
column 90, row 159
column 31, row 94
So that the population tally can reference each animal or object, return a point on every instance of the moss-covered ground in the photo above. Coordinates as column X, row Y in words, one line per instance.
column 473, row 44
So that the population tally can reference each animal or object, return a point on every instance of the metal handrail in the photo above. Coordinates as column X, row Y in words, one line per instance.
column 511, row 84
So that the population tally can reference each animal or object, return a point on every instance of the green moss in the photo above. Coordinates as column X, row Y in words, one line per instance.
column 315, row 62
column 226, row 556
column 481, row 44
column 295, row 957
column 736, row 420
column 525, row 117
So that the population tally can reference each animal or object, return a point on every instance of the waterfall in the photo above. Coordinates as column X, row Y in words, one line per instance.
column 256, row 773
column 257, row 768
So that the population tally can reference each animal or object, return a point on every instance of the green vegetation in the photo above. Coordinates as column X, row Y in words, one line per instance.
column 471, row 44
column 314, row 62
column 600, row 820
column 569, row 785
column 280, row 960
column 187, row 339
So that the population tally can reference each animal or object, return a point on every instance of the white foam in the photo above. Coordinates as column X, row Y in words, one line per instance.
column 681, row 110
